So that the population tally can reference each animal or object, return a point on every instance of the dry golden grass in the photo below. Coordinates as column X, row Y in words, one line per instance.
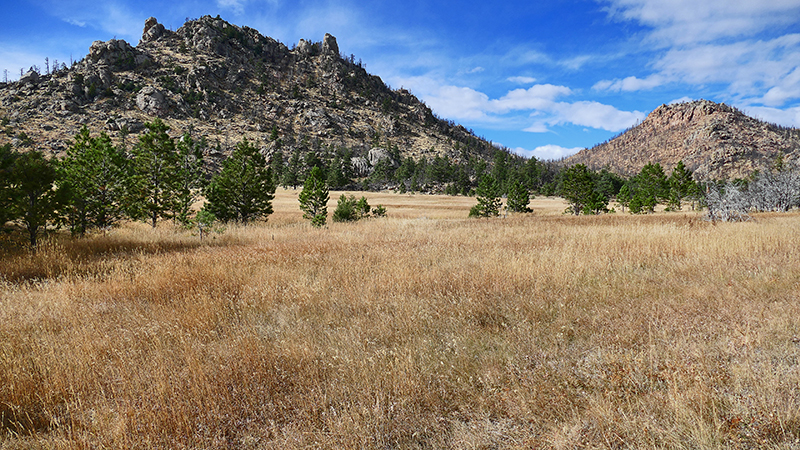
column 421, row 330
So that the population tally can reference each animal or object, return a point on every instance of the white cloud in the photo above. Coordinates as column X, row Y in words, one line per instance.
column 461, row 103
column 683, row 99
column 630, row 84
column 539, row 96
column 596, row 115
column 522, row 80
column 537, row 127
column 14, row 59
column 575, row 63
column 749, row 47
column 789, row 117
column 237, row 6
column 547, row 152
column 684, row 22
column 538, row 101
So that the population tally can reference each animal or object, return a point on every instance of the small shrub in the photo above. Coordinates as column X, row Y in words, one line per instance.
column 345, row 210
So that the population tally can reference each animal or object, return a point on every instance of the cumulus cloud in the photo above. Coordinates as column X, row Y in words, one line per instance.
column 789, row 117
column 539, row 96
column 540, row 101
column 596, row 115
column 459, row 103
column 547, row 152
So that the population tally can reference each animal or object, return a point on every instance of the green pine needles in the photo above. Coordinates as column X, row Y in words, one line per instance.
column 244, row 189
column 314, row 198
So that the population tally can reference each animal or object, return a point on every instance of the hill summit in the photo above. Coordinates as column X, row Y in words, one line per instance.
column 225, row 82
column 714, row 140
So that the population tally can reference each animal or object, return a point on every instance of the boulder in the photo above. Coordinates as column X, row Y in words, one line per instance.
column 113, row 53
column 360, row 165
column 377, row 155
column 329, row 45
column 151, row 101
column 152, row 30
column 303, row 47
column 30, row 77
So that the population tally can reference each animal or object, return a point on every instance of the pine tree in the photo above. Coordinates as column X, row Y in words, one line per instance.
column 153, row 184
column 681, row 186
column 488, row 196
column 7, row 158
column 649, row 188
column 314, row 198
column 243, row 190
column 35, row 202
column 93, row 175
column 578, row 188
column 189, row 178
column 518, row 198
column 345, row 209
column 291, row 173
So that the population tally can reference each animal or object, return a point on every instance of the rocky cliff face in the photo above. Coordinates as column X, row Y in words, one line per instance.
column 226, row 82
column 714, row 140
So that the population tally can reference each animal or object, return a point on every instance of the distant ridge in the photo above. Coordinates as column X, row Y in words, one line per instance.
column 714, row 140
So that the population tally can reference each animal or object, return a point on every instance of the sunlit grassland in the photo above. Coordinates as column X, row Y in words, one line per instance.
column 420, row 330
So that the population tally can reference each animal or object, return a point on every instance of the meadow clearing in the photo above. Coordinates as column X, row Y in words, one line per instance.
column 423, row 329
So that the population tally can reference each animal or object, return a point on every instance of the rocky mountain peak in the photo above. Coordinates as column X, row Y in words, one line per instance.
column 714, row 140
column 225, row 82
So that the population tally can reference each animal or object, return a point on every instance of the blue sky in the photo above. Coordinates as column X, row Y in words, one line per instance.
column 544, row 78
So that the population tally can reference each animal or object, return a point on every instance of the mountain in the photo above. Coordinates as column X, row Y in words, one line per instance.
column 226, row 82
column 714, row 140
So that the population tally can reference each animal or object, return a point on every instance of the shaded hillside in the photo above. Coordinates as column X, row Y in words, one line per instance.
column 714, row 140
column 226, row 82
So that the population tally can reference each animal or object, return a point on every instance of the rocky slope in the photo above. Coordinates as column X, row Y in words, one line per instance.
column 714, row 140
column 227, row 82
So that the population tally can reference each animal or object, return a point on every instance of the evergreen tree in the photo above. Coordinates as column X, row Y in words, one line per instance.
column 278, row 166
column 624, row 196
column 500, row 169
column 93, row 175
column 291, row 174
column 649, row 188
column 345, row 209
column 518, row 198
column 577, row 188
column 243, row 190
column 153, row 184
column 336, row 177
column 35, row 202
column 7, row 158
column 488, row 196
column 189, row 177
column 681, row 186
column 314, row 198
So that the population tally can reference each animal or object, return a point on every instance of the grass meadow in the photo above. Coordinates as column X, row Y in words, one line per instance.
column 423, row 329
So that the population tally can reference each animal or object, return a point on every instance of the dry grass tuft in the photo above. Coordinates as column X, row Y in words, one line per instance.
column 421, row 330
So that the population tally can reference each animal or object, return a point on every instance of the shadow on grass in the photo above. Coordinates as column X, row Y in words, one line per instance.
column 60, row 255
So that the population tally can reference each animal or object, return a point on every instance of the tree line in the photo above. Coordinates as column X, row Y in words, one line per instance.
column 98, row 184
